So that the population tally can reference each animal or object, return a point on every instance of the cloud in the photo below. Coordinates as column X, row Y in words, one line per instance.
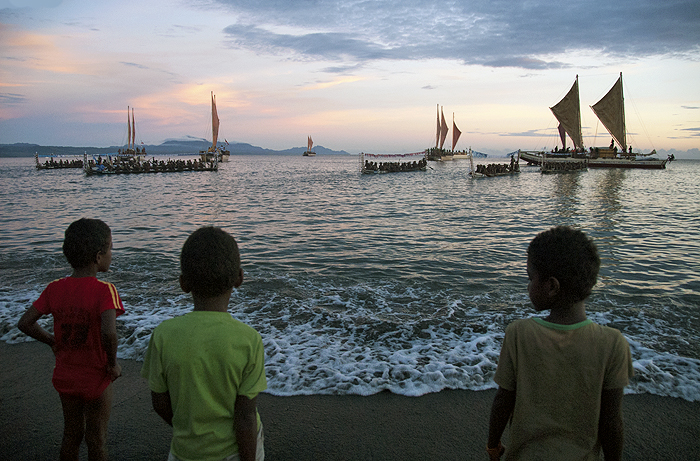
column 133, row 64
column 691, row 107
column 12, row 98
column 32, row 3
column 489, row 33
column 694, row 132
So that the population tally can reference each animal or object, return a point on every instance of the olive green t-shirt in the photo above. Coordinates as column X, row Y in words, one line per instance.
column 558, row 373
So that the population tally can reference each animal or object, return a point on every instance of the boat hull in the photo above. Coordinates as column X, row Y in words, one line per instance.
column 535, row 158
column 627, row 163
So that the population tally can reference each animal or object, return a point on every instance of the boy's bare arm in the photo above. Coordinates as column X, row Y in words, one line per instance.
column 502, row 408
column 108, row 332
column 246, row 425
column 611, row 427
column 27, row 325
column 162, row 406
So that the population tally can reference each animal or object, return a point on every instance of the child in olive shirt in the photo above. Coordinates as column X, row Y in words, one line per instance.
column 561, row 377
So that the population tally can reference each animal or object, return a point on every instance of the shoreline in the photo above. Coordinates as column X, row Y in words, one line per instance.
column 451, row 424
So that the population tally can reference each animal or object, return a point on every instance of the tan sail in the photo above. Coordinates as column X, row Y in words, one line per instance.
column 443, row 128
column 610, row 110
column 568, row 112
column 562, row 135
column 455, row 133
column 214, row 122
column 309, row 144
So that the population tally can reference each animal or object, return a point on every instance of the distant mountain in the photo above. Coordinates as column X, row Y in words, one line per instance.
column 188, row 145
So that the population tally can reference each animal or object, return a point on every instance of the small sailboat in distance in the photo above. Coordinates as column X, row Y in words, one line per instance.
column 131, row 152
column 309, row 145
column 221, row 153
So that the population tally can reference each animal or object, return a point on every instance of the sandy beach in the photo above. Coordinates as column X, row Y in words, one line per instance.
column 449, row 425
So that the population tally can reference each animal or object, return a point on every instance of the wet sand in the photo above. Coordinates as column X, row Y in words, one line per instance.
column 450, row 425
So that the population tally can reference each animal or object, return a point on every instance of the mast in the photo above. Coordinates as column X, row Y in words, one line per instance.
column 437, row 132
column 610, row 110
column 128, row 128
column 133, row 130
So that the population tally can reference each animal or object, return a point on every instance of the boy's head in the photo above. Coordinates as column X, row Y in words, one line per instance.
column 569, row 256
column 84, row 240
column 210, row 263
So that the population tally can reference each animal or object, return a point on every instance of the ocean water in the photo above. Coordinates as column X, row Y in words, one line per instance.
column 362, row 283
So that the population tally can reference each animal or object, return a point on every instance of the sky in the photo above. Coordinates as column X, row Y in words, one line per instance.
column 355, row 75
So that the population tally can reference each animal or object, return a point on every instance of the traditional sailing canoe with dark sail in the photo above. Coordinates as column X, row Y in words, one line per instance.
column 437, row 153
column 610, row 110
column 568, row 114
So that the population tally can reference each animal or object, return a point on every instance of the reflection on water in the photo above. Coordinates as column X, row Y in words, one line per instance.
column 607, row 198
column 566, row 189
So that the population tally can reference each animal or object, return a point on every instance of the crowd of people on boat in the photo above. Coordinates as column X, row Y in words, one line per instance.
column 564, row 166
column 52, row 164
column 137, row 150
column 148, row 166
column 568, row 150
column 496, row 169
column 391, row 167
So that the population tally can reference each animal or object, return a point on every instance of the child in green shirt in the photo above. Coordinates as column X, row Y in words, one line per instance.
column 205, row 368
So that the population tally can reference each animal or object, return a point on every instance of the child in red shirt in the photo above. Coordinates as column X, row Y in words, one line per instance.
column 84, row 341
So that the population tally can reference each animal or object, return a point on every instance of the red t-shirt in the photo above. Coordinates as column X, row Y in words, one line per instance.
column 77, row 305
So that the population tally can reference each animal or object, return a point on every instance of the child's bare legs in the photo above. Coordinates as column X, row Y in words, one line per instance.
column 85, row 418
column 97, row 418
column 73, row 426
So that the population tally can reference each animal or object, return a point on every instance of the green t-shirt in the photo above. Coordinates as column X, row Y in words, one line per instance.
column 204, row 360
column 558, row 373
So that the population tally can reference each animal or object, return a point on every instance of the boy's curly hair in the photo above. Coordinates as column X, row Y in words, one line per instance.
column 210, row 262
column 568, row 255
column 83, row 240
